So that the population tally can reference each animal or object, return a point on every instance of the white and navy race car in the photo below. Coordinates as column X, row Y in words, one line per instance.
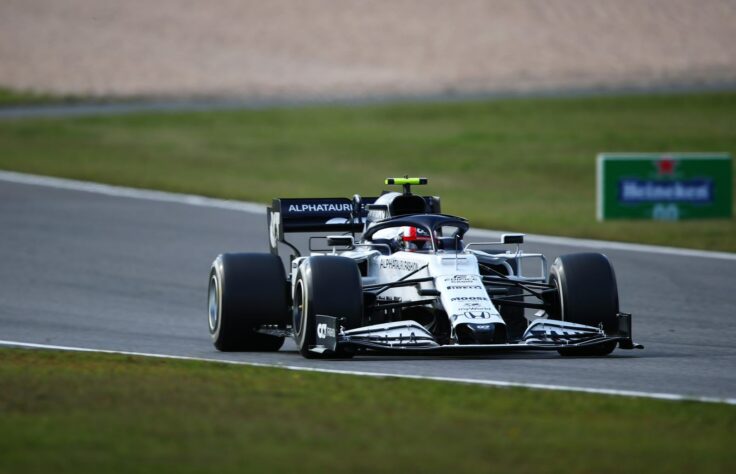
column 393, row 275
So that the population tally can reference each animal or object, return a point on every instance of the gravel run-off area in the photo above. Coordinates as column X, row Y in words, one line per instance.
column 354, row 48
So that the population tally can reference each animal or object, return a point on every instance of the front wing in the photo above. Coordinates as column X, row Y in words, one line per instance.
column 409, row 337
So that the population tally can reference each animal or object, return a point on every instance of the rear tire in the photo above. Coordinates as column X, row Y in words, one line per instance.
column 588, row 295
column 327, row 285
column 246, row 290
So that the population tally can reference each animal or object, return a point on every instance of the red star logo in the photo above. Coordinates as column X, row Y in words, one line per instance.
column 666, row 166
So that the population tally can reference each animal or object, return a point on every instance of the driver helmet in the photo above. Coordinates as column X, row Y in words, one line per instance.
column 414, row 238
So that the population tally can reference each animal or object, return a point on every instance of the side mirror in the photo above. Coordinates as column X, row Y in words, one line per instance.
column 378, row 211
column 512, row 238
column 340, row 241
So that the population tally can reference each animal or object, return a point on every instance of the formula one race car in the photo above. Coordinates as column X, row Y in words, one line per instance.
column 408, row 284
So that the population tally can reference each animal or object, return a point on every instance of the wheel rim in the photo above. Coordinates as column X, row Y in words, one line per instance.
column 557, row 285
column 213, row 304
column 298, row 306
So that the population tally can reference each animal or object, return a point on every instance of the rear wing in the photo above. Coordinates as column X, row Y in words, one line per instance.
column 320, row 215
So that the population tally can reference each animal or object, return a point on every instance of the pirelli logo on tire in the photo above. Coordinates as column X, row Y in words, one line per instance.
column 663, row 186
column 326, row 332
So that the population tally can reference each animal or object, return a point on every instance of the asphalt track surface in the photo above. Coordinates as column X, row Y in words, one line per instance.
column 129, row 273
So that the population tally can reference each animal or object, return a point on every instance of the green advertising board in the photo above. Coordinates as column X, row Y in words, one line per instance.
column 668, row 186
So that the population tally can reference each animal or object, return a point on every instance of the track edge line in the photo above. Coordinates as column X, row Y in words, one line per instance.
column 488, row 383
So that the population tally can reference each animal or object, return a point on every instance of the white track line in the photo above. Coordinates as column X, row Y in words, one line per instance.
column 491, row 383
column 133, row 193
column 607, row 245
column 193, row 200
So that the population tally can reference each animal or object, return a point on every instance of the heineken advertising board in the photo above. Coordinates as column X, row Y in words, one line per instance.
column 667, row 186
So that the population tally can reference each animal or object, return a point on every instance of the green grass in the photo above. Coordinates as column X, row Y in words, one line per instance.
column 525, row 165
column 72, row 412
column 12, row 98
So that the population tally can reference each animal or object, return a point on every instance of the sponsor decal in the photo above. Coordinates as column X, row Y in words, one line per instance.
column 325, row 207
column 692, row 191
column 464, row 287
column 399, row 264
column 460, row 279
column 475, row 307
column 388, row 299
column 669, row 186
column 469, row 298
column 324, row 331
column 473, row 304
column 472, row 315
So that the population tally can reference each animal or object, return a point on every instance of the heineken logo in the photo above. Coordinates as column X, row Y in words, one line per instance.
column 666, row 166
column 664, row 186
column 693, row 191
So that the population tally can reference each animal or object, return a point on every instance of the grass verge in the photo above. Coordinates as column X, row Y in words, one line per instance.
column 72, row 412
column 525, row 165
column 13, row 98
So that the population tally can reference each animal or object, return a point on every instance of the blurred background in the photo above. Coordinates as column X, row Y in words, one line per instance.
column 320, row 49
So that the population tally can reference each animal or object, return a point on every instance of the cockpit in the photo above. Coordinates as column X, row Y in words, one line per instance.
column 418, row 233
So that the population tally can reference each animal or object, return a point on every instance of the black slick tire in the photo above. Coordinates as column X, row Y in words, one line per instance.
column 327, row 285
column 588, row 294
column 246, row 290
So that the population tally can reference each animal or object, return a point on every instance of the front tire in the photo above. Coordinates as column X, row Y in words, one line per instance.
column 245, row 291
column 327, row 285
column 588, row 294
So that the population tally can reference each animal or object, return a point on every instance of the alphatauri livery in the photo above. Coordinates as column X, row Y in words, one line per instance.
column 392, row 275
